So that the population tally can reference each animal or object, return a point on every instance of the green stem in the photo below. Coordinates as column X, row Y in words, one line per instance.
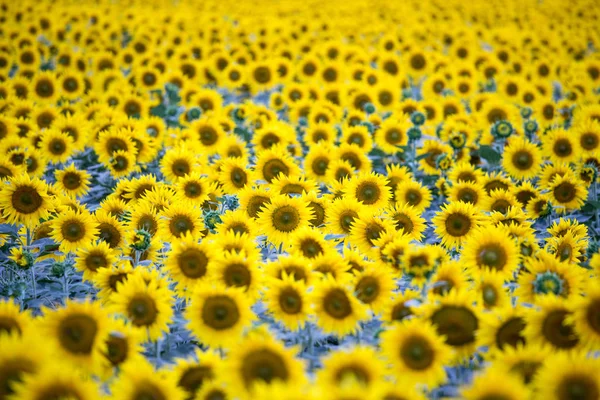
column 33, row 282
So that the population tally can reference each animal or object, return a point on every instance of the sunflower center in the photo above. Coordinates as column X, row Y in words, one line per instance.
column 563, row 148
column 592, row 315
column 71, row 180
column 458, row 224
column 268, row 140
column 352, row 371
column 310, row 248
column 117, row 348
column 262, row 75
column 9, row 325
column 148, row 391
column 403, row 223
column 285, row 219
column 180, row 224
column 193, row 378
column 589, row 141
column 337, row 304
column 193, row 190
column 26, row 200
column 44, row 88
column 12, row 372
column 318, row 214
column 577, row 387
column 458, row 324
column 110, row 234
column 180, row 168
column 501, row 206
column 95, row 260
column 263, row 365
column 413, row 197
column 417, row 61
column 368, row 192
column 548, row 283
column 367, row 289
column 73, row 230
column 290, row 301
column 522, row 159
column 511, row 333
column 208, row 136
column 492, row 255
column 319, row 165
column 565, row 192
column 557, row 332
column 193, row 263
column 490, row 296
column 237, row 275
column 393, row 136
column 220, row 312
column 401, row 311
column 238, row 177
column 273, row 168
column 142, row 310
column 373, row 232
column 468, row 196
column 417, row 353
column 256, row 204
column 78, row 333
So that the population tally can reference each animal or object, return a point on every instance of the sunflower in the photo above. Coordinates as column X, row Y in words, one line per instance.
column 318, row 205
column 73, row 229
column 317, row 161
column 44, row 87
column 271, row 134
column 20, row 358
column 193, row 374
column 401, row 306
column 254, row 200
column 122, row 164
column 588, row 134
column 522, row 361
column 456, row 222
column 106, row 279
column 189, row 262
column 548, row 324
column 261, row 76
column 414, row 194
column 296, row 268
column 490, row 290
column 559, row 146
column 358, row 135
column 237, row 222
column 567, row 193
column 25, row 200
column 72, row 181
column 139, row 380
column 286, row 298
column 208, row 132
column 237, row 269
column 501, row 329
column 76, row 332
column 586, row 315
column 274, row 161
column 218, row 315
column 456, row 319
column 521, row 159
column 260, row 360
column 367, row 229
column 369, row 189
column 178, row 220
column 497, row 384
column 147, row 305
column 547, row 276
column 13, row 322
column 407, row 220
column 577, row 378
column 178, row 162
column 450, row 275
column 392, row 134
column 416, row 352
column 293, row 185
column 339, row 171
column 61, row 380
column 283, row 217
column 353, row 154
column 93, row 256
column 122, row 346
column 359, row 364
column 309, row 243
column 491, row 248
column 338, row 311
column 373, row 287
column 465, row 172
column 234, row 175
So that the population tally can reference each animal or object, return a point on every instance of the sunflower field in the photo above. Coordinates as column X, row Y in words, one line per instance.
column 299, row 199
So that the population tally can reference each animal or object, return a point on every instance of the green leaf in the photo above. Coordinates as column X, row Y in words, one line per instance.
column 595, row 204
column 489, row 154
